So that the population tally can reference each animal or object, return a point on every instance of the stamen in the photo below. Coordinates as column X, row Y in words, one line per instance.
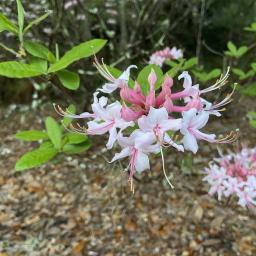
column 167, row 179
column 102, row 68
column 226, row 100
column 219, row 83
column 230, row 138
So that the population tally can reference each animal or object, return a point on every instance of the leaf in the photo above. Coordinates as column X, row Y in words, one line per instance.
column 72, row 110
column 76, row 148
column 190, row 63
column 143, row 77
column 39, row 50
column 252, row 27
column 37, row 21
column 69, row 79
column 253, row 65
column 213, row 74
column 32, row 135
column 39, row 64
column 20, row 18
column 238, row 72
column 14, row 69
column 74, row 138
column 46, row 144
column 174, row 70
column 6, row 24
column 250, row 90
column 232, row 48
column 78, row 52
column 35, row 158
column 54, row 132
column 241, row 51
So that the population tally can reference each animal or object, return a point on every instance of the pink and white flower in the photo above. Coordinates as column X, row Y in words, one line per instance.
column 154, row 118
column 159, row 57
column 191, row 123
column 158, row 123
column 137, row 147
column 234, row 174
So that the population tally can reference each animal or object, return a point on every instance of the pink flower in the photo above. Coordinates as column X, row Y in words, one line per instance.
column 158, row 123
column 138, row 146
column 191, row 123
column 108, row 119
column 159, row 57
column 234, row 174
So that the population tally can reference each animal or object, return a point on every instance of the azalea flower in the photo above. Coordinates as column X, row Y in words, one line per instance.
column 191, row 123
column 154, row 118
column 158, row 123
column 234, row 174
column 137, row 147
column 159, row 57
column 108, row 119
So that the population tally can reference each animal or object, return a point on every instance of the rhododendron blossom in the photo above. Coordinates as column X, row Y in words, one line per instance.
column 144, row 123
column 159, row 57
column 234, row 174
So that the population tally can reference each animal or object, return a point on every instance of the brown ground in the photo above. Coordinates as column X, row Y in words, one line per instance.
column 82, row 205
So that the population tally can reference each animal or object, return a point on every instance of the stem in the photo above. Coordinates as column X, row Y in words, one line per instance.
column 8, row 49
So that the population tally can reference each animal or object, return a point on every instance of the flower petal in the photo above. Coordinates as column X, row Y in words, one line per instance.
column 124, row 153
column 141, row 162
column 190, row 143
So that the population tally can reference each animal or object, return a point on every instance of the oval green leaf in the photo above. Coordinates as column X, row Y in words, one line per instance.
column 54, row 132
column 32, row 135
column 14, row 69
column 78, row 52
column 35, row 158
column 69, row 79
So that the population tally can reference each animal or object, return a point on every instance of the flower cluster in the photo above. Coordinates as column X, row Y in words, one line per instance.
column 159, row 57
column 234, row 174
column 143, row 124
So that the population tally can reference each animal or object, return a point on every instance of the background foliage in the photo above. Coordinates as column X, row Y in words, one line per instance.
column 134, row 29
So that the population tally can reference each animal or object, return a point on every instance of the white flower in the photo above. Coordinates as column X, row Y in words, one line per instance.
column 191, row 123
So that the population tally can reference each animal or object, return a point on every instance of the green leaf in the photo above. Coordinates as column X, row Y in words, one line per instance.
column 35, row 158
column 74, row 138
column 14, row 69
column 175, row 70
column 69, row 79
column 46, row 144
column 250, row 90
column 238, row 72
column 20, row 19
column 76, row 148
column 213, row 74
column 190, row 63
column 78, row 52
column 6, row 24
column 54, row 132
column 39, row 64
column 32, row 135
column 253, row 123
column 241, row 51
column 252, row 27
column 72, row 110
column 39, row 50
column 143, row 77
column 232, row 48
column 253, row 65
column 37, row 21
